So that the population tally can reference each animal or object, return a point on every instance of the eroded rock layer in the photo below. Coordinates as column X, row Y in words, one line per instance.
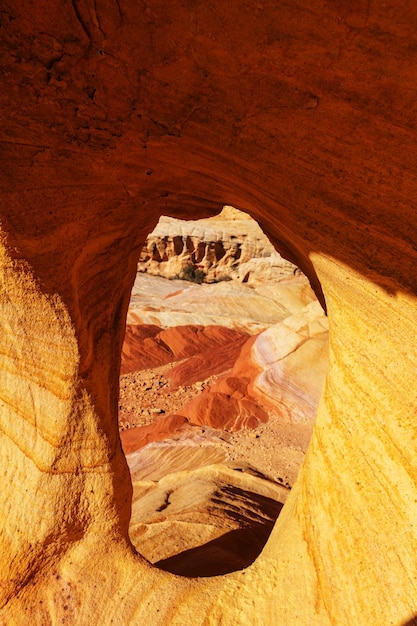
column 203, row 522
column 279, row 371
column 149, row 346
column 229, row 246
column 114, row 113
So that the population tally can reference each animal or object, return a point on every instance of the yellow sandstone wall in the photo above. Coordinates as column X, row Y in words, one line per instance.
column 115, row 112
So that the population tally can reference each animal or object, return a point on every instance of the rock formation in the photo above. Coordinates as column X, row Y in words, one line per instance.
column 282, row 369
column 149, row 346
column 189, row 386
column 228, row 246
column 216, row 518
column 114, row 113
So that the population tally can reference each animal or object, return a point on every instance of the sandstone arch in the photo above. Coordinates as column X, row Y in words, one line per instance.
column 117, row 112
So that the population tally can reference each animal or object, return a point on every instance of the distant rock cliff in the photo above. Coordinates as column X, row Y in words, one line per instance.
column 228, row 246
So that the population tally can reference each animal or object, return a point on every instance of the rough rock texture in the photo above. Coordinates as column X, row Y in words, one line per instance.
column 231, row 304
column 203, row 522
column 230, row 245
column 282, row 370
column 113, row 113
column 149, row 346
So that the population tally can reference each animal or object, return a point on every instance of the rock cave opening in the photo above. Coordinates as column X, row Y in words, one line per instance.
column 223, row 365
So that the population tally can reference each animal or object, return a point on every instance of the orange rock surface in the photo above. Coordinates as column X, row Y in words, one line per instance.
column 282, row 370
column 207, row 363
column 227, row 404
column 162, row 428
column 214, row 348
column 113, row 113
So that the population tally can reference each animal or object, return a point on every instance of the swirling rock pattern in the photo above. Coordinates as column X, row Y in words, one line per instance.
column 113, row 113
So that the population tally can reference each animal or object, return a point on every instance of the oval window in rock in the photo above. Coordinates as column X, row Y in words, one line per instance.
column 223, row 365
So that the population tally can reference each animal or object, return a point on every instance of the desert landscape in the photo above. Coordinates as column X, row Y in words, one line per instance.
column 220, row 385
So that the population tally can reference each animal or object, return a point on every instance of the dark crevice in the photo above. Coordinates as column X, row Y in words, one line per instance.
column 166, row 502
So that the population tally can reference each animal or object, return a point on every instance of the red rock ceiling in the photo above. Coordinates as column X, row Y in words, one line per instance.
column 303, row 114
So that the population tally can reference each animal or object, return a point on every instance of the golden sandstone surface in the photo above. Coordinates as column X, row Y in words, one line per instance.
column 115, row 112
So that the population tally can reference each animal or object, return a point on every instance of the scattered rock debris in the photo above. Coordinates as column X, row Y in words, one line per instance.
column 275, row 449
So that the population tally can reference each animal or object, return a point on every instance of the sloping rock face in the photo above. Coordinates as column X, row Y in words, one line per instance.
column 292, row 358
column 229, row 246
column 208, row 521
column 149, row 346
column 229, row 304
column 114, row 113
column 250, row 308
column 282, row 370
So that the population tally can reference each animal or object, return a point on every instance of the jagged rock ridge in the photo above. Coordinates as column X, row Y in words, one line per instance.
column 228, row 246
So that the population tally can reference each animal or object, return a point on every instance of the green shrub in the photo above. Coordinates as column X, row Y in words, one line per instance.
column 192, row 274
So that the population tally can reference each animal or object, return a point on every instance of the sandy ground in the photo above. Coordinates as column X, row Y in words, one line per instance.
column 275, row 449
column 192, row 467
